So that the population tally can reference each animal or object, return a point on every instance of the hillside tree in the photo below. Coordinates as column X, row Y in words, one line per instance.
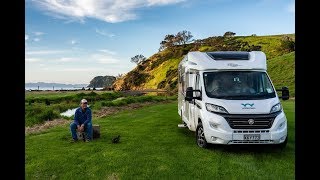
column 183, row 37
column 229, row 34
column 171, row 40
column 138, row 59
column 119, row 76
column 168, row 42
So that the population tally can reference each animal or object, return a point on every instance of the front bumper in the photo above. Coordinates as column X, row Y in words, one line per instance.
column 218, row 131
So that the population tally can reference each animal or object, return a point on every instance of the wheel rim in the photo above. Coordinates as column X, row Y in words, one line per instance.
column 200, row 137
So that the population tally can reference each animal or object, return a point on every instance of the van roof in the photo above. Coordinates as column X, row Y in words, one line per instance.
column 241, row 60
column 230, row 55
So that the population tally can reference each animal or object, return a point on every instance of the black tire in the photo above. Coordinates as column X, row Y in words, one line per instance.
column 200, row 138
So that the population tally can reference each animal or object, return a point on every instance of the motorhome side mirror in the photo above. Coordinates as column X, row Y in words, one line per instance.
column 189, row 94
column 285, row 93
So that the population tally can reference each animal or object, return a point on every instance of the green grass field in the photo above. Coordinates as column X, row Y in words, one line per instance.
column 153, row 147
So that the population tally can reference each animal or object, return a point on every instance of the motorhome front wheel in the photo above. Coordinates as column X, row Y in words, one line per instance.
column 201, row 140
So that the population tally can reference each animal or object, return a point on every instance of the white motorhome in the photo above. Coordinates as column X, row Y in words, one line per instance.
column 227, row 97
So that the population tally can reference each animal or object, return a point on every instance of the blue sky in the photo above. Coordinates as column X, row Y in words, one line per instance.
column 73, row 41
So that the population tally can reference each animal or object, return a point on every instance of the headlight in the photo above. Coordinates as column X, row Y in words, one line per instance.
column 281, row 125
column 276, row 108
column 215, row 108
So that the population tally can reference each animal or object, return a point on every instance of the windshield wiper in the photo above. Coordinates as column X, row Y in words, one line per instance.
column 264, row 95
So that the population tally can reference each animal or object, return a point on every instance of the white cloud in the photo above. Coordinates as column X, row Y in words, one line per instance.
column 81, row 69
column 38, row 33
column 66, row 59
column 107, row 10
column 162, row 2
column 74, row 48
column 104, row 59
column 103, row 33
column 31, row 60
column 36, row 39
column 291, row 7
column 26, row 37
column 108, row 61
column 74, row 42
column 43, row 52
column 107, row 51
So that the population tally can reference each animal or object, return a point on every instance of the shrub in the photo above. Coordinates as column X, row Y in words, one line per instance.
column 106, row 103
column 92, row 94
column 287, row 44
column 173, row 84
column 79, row 95
column 135, row 78
column 97, row 105
column 47, row 102
column 48, row 114
column 162, row 84
column 129, row 100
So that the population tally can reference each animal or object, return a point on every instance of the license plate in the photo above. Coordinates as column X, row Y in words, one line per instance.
column 250, row 137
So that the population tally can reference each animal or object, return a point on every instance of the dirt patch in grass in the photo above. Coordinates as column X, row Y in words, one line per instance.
column 48, row 124
column 113, row 176
column 105, row 111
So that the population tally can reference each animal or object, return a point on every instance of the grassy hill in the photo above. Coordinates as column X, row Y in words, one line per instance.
column 281, row 70
column 270, row 45
column 160, row 70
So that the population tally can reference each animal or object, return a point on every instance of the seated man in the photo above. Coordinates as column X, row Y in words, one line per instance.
column 82, row 121
column 218, row 88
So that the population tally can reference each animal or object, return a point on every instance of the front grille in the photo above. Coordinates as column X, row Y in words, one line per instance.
column 259, row 131
column 251, row 142
column 241, row 121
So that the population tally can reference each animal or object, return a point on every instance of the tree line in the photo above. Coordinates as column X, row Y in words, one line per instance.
column 216, row 43
column 169, row 41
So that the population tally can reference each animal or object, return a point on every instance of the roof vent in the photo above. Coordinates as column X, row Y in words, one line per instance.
column 229, row 55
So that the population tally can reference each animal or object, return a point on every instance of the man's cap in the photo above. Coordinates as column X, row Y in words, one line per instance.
column 84, row 101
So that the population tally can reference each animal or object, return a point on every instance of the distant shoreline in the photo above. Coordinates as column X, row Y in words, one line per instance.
column 59, row 88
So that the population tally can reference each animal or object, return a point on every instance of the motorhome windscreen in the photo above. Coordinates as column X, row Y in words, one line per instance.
column 238, row 85
column 229, row 55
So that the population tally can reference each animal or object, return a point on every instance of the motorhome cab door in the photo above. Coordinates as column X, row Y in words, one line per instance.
column 186, row 104
column 192, row 80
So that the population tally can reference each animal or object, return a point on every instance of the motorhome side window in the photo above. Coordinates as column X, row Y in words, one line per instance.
column 197, row 82
column 183, row 84
column 238, row 85
column 182, row 80
column 197, row 85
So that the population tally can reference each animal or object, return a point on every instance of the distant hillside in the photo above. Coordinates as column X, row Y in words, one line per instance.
column 102, row 81
column 160, row 70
